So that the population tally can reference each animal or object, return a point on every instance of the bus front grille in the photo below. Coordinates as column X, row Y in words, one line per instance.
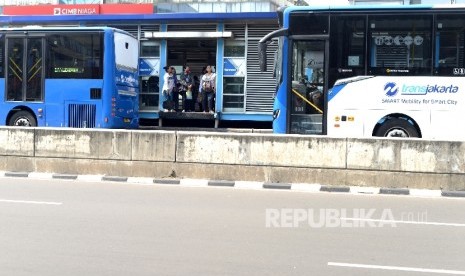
column 81, row 115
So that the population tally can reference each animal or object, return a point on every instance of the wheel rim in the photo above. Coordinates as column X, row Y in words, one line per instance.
column 23, row 121
column 397, row 132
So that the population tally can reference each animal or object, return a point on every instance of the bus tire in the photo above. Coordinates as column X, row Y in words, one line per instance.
column 22, row 118
column 396, row 127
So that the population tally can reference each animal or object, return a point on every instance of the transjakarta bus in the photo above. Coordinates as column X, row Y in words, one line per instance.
column 393, row 71
column 69, row 77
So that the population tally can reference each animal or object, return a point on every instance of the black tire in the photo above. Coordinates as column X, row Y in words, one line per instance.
column 396, row 127
column 22, row 118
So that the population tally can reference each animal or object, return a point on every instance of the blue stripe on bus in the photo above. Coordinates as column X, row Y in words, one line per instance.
column 334, row 91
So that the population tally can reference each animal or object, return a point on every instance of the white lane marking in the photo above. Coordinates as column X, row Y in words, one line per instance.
column 38, row 175
column 425, row 193
column 193, row 182
column 30, row 202
column 303, row 187
column 406, row 222
column 364, row 190
column 252, row 185
column 399, row 268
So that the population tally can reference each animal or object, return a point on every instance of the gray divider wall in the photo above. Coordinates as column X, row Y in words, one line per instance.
column 83, row 143
column 261, row 149
column 154, row 146
column 406, row 155
column 236, row 156
column 16, row 141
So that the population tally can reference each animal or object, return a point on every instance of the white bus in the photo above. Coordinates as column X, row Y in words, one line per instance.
column 392, row 71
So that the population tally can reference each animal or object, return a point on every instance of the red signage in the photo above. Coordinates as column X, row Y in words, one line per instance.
column 126, row 9
column 83, row 9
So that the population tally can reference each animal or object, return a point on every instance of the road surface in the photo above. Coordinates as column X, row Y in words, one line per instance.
column 59, row 227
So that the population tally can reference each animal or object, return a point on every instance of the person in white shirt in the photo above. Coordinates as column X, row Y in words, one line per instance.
column 169, row 87
column 208, row 89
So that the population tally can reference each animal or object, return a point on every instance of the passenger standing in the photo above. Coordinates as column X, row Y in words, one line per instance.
column 200, row 94
column 186, row 81
column 175, row 89
column 168, row 87
column 197, row 96
column 207, row 84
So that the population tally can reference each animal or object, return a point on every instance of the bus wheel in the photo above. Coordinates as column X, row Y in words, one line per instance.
column 22, row 118
column 396, row 127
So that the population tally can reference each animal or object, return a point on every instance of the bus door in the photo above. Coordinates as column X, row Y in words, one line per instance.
column 25, row 73
column 308, row 87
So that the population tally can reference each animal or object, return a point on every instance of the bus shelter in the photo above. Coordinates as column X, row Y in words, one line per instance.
column 227, row 41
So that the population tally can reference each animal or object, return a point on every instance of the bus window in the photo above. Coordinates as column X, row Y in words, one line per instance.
column 308, row 24
column 15, row 69
column 347, row 61
column 75, row 56
column 308, row 63
column 400, row 44
column 34, row 70
column 449, row 46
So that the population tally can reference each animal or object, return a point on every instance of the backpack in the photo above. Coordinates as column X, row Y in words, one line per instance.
column 207, row 86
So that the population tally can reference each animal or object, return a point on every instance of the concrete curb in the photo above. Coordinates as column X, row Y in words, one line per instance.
column 277, row 186
column 64, row 176
column 295, row 187
column 453, row 193
column 16, row 174
column 394, row 191
column 334, row 189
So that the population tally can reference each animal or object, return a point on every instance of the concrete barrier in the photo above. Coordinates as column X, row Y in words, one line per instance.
column 396, row 163
column 261, row 150
column 83, row 143
column 406, row 155
column 154, row 146
column 16, row 142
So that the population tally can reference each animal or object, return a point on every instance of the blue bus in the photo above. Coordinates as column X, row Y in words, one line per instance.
column 79, row 77
column 363, row 71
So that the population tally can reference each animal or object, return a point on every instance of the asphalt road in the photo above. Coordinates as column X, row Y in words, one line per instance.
column 80, row 228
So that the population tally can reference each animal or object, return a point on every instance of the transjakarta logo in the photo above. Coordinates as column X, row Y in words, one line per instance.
column 391, row 89
column 430, row 88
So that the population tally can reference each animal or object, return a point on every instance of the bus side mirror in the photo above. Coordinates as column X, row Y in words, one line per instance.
column 262, row 56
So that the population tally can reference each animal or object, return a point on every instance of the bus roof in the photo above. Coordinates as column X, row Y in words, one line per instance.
column 379, row 7
column 155, row 17
column 371, row 8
